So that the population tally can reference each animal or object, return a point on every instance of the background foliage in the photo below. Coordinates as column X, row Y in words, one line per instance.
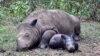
column 15, row 10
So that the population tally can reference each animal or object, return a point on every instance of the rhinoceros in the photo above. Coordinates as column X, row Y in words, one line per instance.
column 39, row 26
column 63, row 41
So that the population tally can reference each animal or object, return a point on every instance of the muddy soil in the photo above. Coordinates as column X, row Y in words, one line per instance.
column 88, row 47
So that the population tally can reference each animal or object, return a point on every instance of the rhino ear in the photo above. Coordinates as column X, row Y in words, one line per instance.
column 63, row 36
column 73, row 35
column 33, row 22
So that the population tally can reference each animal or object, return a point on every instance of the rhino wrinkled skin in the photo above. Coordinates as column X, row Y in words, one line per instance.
column 41, row 25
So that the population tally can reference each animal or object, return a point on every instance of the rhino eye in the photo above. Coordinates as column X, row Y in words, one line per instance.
column 26, row 35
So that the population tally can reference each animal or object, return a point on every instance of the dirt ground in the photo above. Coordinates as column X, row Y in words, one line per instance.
column 89, row 45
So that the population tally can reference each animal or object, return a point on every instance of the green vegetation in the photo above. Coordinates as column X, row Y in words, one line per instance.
column 18, row 9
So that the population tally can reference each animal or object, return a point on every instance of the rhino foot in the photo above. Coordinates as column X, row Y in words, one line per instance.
column 42, row 46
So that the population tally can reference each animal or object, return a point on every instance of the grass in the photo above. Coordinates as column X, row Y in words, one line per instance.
column 91, row 29
column 7, row 35
column 90, row 32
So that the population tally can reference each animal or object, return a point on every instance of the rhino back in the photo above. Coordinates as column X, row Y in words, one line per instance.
column 52, row 18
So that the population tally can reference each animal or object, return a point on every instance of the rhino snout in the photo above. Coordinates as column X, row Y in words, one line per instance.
column 73, row 48
column 22, row 44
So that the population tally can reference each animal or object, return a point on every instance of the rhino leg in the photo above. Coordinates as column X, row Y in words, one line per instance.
column 46, row 38
column 77, row 33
